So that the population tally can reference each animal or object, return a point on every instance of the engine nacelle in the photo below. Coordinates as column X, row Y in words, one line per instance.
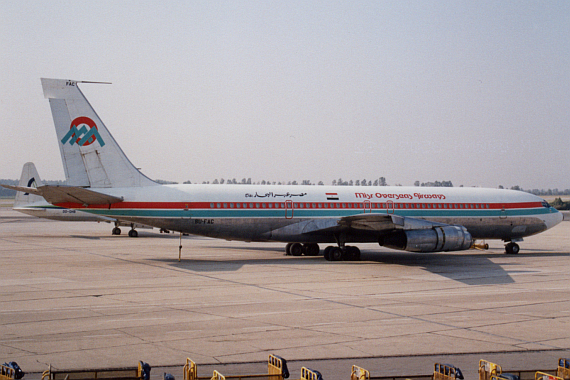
column 436, row 239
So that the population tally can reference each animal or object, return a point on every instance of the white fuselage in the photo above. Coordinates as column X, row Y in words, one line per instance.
column 261, row 212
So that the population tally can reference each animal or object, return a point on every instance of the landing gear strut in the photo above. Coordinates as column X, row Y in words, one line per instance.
column 116, row 230
column 512, row 248
column 133, row 232
column 342, row 252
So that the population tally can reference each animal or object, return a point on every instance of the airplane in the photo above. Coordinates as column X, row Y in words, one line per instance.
column 102, row 181
column 36, row 205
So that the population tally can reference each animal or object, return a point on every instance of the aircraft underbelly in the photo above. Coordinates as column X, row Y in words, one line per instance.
column 265, row 229
column 250, row 229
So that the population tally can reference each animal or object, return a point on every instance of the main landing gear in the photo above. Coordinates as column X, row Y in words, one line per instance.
column 298, row 249
column 344, row 253
column 512, row 248
column 132, row 232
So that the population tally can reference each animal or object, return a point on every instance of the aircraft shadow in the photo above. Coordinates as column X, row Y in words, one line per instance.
column 477, row 268
column 470, row 269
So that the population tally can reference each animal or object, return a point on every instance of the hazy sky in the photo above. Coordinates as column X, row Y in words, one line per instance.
column 476, row 92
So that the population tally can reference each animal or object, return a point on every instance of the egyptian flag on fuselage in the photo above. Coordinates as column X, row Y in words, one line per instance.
column 332, row 196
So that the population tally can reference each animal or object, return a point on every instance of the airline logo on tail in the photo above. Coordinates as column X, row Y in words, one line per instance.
column 31, row 183
column 82, row 132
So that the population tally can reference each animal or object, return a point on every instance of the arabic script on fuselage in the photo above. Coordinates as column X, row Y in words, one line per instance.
column 274, row 195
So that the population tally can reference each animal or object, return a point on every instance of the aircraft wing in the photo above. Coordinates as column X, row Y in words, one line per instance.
column 68, row 194
column 366, row 223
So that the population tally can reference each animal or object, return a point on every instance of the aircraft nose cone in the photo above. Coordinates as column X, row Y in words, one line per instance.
column 553, row 219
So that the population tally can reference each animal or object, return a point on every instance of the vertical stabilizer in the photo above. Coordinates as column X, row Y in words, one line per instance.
column 91, row 156
column 29, row 178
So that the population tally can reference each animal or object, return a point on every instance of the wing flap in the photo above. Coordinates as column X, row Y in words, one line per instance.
column 384, row 222
column 369, row 222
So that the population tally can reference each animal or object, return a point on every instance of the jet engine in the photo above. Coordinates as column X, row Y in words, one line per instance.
column 436, row 239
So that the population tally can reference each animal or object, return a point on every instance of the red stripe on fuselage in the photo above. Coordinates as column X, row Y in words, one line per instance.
column 308, row 205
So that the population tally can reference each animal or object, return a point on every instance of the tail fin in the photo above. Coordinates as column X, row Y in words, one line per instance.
column 29, row 178
column 91, row 156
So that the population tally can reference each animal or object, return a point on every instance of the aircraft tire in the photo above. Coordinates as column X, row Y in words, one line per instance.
column 133, row 233
column 116, row 231
column 296, row 249
column 352, row 254
column 336, row 254
column 288, row 249
column 327, row 253
column 311, row 249
column 512, row 248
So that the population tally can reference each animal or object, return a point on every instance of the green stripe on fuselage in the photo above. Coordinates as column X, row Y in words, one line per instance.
column 307, row 213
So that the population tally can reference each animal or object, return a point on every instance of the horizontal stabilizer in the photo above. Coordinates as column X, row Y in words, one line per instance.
column 23, row 189
column 69, row 194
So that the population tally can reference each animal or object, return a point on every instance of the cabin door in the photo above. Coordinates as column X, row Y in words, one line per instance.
column 288, row 209
column 390, row 207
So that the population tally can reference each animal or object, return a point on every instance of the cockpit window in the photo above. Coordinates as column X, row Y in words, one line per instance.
column 545, row 204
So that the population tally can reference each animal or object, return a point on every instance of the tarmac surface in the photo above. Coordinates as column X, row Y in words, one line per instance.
column 73, row 295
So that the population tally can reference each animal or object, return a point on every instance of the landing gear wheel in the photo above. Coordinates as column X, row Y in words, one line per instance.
column 336, row 254
column 328, row 253
column 288, row 249
column 296, row 249
column 352, row 254
column 311, row 249
column 512, row 248
column 133, row 233
column 116, row 231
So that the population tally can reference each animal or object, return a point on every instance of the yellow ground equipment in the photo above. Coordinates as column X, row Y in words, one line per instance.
column 359, row 373
column 563, row 370
column 142, row 372
column 276, row 370
column 6, row 373
column 446, row 372
column 545, row 376
column 488, row 369
column 310, row 374
column 306, row 374
column 11, row 371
